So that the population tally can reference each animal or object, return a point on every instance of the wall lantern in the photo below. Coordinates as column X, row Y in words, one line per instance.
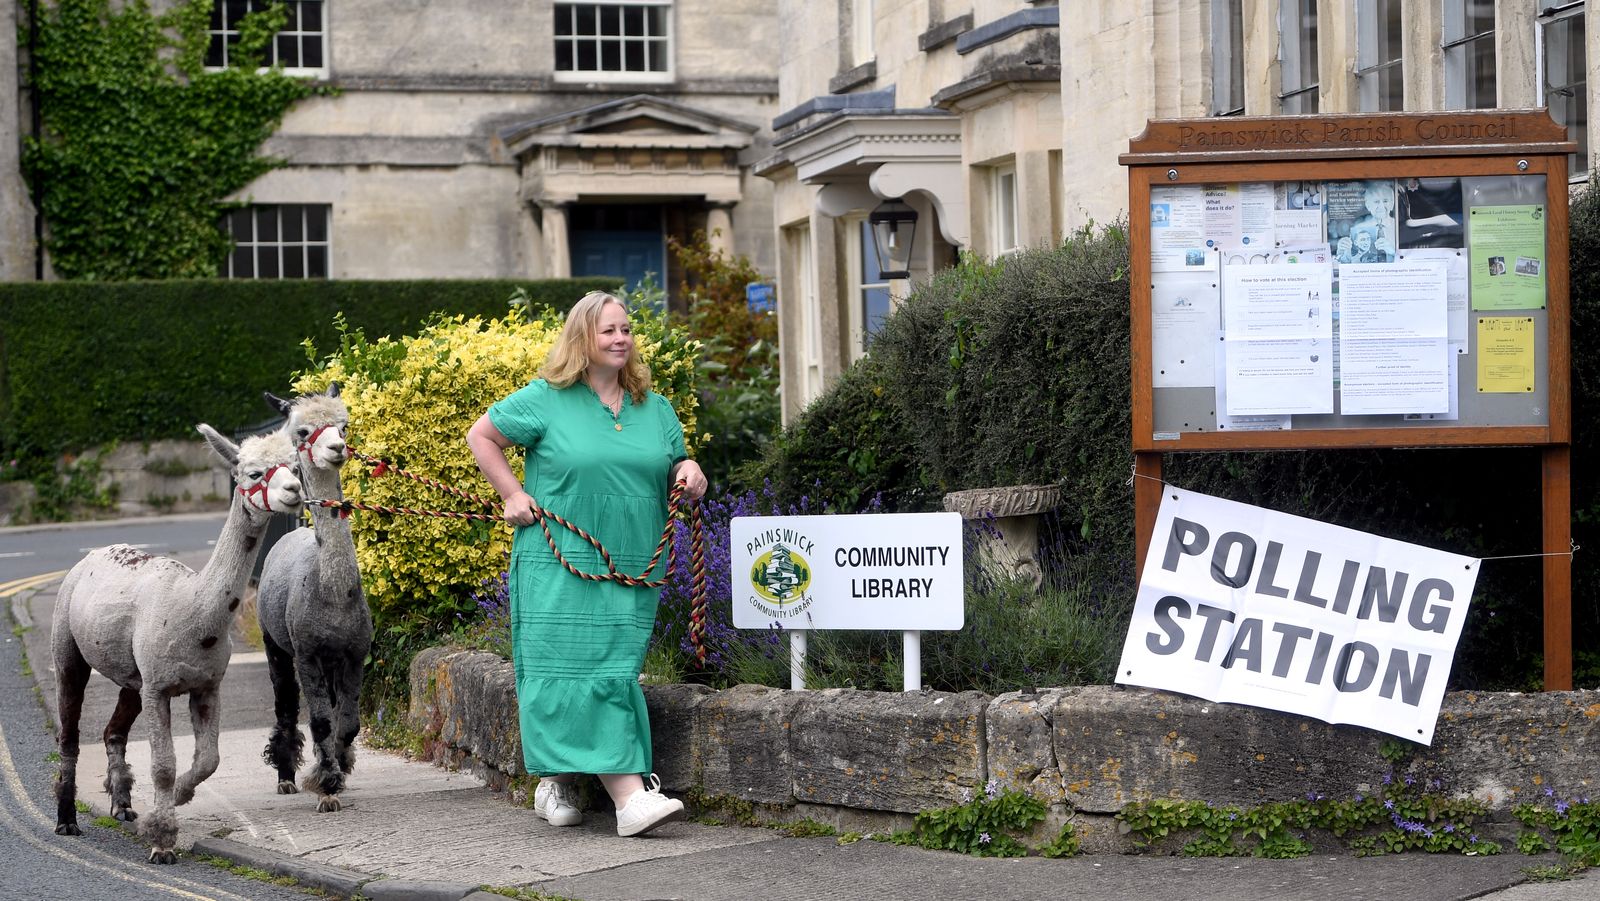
column 894, row 227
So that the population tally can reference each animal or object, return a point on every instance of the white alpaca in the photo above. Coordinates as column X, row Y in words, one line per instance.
column 159, row 629
column 314, row 617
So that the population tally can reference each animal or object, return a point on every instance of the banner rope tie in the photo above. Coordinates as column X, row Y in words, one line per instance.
column 1135, row 474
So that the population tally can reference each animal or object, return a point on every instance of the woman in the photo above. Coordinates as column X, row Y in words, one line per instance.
column 602, row 451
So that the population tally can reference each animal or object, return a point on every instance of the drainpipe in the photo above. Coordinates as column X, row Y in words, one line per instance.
column 38, row 130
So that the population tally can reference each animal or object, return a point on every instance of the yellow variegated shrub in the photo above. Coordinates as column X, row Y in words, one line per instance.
column 411, row 402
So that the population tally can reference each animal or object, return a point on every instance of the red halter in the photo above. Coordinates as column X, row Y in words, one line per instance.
column 311, row 440
column 260, row 487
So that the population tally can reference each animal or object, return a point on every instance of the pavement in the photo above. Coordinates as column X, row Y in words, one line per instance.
column 411, row 830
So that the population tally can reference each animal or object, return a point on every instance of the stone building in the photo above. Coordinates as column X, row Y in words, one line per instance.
column 466, row 140
column 953, row 107
column 1000, row 125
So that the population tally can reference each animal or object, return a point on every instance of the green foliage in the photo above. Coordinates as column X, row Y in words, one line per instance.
column 65, row 490
column 1573, row 825
column 1401, row 819
column 806, row 828
column 1531, row 843
column 738, row 363
column 83, row 364
column 985, row 826
column 141, row 144
column 1016, row 372
column 1065, row 844
column 851, row 445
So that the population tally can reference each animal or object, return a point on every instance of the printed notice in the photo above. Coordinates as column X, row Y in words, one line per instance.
column 1183, row 316
column 1177, row 230
column 1277, row 337
column 1505, row 355
column 1506, row 256
column 1393, row 338
column 1455, row 263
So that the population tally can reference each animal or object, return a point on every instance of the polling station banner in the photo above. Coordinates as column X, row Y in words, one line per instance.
column 897, row 571
column 1243, row 605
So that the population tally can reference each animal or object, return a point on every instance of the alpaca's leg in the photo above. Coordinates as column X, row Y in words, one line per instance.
column 325, row 778
column 283, row 751
column 206, row 718
column 72, row 675
column 161, row 826
column 348, row 725
column 119, row 776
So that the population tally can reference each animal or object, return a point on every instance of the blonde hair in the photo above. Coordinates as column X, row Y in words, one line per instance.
column 569, row 359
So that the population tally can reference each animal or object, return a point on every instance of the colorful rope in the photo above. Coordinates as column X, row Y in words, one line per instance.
column 676, row 505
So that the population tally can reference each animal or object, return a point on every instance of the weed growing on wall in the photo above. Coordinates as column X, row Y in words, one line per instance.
column 141, row 143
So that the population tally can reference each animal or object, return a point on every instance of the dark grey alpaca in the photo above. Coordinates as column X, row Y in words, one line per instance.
column 314, row 618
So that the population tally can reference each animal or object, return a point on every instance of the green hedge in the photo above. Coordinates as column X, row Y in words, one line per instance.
column 85, row 364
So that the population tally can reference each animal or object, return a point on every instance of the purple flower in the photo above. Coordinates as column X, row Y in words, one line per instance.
column 1388, row 804
column 1549, row 792
column 1562, row 807
column 966, row 796
column 991, row 788
column 983, row 838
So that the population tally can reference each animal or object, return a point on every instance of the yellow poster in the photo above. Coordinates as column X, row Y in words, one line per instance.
column 1505, row 355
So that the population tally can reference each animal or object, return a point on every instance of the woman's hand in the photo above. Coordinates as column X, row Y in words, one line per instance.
column 694, row 480
column 519, row 509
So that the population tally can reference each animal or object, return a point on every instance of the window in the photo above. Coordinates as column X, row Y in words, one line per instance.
column 278, row 241
column 1227, row 57
column 862, row 47
column 1004, row 212
column 1297, row 27
column 1469, row 54
column 810, row 317
column 298, row 48
column 870, row 306
column 1562, row 84
column 614, row 40
column 1379, row 59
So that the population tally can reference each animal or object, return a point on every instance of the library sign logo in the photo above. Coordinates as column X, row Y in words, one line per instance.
column 781, row 574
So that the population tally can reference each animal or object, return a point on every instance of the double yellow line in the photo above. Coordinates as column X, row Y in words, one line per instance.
column 17, row 586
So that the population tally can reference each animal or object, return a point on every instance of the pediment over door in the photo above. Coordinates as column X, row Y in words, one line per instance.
column 639, row 146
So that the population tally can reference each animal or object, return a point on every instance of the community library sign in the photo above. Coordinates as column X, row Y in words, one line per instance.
column 1244, row 605
column 895, row 571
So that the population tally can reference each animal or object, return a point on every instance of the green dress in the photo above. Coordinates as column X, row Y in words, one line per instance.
column 579, row 645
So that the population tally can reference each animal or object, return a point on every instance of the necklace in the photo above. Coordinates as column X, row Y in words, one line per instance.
column 614, row 407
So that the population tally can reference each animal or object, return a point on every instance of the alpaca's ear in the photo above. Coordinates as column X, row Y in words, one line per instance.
column 222, row 447
column 333, row 389
column 277, row 403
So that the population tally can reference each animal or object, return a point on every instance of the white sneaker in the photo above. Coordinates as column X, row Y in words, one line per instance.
column 647, row 808
column 557, row 803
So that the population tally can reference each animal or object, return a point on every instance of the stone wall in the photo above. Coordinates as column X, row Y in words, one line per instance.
column 861, row 759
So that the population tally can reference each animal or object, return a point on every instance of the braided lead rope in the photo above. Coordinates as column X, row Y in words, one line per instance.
column 675, row 506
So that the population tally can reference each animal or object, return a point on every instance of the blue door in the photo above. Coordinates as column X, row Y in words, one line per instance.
column 630, row 254
column 619, row 240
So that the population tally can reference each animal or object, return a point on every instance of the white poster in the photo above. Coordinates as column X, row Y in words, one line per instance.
column 1177, row 230
column 1393, row 338
column 1243, row 605
column 1184, row 315
column 1455, row 262
column 896, row 571
column 1278, row 339
column 1275, row 422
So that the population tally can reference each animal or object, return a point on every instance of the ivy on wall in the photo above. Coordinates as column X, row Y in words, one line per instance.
column 141, row 144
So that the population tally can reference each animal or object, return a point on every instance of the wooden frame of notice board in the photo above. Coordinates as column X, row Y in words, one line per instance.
column 1428, row 254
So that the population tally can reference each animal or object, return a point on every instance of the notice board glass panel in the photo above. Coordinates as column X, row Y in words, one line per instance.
column 1393, row 302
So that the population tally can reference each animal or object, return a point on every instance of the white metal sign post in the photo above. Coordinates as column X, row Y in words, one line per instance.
column 888, row 571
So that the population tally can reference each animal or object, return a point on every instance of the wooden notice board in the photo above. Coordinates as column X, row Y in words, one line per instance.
column 1324, row 282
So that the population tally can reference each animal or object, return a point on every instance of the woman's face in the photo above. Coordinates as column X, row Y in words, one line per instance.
column 613, row 338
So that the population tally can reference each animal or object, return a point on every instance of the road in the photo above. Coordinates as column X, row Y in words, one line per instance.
column 105, row 862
